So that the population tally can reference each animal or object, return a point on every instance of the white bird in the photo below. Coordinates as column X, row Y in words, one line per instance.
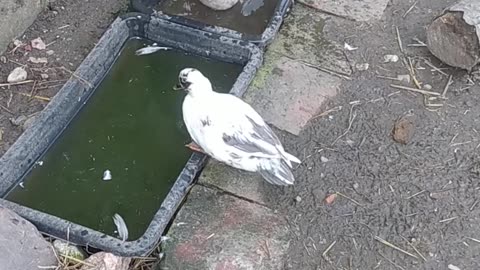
column 226, row 128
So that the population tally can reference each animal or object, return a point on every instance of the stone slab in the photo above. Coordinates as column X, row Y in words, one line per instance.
column 288, row 93
column 15, row 17
column 22, row 247
column 301, row 37
column 243, row 184
column 217, row 231
column 363, row 10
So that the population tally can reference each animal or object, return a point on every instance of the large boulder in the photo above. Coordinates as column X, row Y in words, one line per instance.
column 454, row 37
column 22, row 247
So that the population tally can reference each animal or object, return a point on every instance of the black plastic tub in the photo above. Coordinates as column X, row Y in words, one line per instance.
column 53, row 120
column 272, row 28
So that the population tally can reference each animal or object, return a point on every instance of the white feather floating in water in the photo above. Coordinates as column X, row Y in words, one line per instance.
column 107, row 175
column 121, row 226
column 150, row 49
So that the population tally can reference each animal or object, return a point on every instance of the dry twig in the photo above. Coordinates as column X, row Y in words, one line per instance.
column 449, row 82
column 399, row 40
column 17, row 83
column 394, row 247
column 424, row 92
column 410, row 9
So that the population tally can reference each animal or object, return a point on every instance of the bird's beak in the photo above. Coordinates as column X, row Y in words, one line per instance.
column 181, row 86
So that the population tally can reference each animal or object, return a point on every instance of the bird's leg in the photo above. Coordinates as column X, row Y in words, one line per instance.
column 193, row 146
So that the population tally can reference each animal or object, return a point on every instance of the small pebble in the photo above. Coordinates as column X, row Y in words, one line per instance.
column 453, row 267
column 356, row 186
column 427, row 87
column 362, row 67
column 404, row 78
column 349, row 48
column 390, row 58
column 164, row 238
column 298, row 199
column 350, row 142
column 17, row 43
column 19, row 74
column 323, row 159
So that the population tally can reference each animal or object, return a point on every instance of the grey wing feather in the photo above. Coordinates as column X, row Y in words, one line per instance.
column 259, row 133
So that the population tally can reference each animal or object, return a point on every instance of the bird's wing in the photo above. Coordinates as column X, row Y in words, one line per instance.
column 250, row 134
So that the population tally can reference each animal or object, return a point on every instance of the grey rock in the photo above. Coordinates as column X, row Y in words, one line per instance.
column 15, row 17
column 22, row 247
column 64, row 248
column 219, row 4
column 454, row 37
column 17, row 121
column 29, row 122
column 106, row 261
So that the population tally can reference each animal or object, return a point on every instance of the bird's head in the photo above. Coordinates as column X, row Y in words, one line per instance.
column 193, row 82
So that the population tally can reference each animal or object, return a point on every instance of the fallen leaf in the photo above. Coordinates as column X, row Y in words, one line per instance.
column 330, row 198
column 38, row 44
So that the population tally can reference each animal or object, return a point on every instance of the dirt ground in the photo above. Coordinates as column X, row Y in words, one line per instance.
column 70, row 30
column 420, row 196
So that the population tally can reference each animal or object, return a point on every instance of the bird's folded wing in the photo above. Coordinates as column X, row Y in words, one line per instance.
column 252, row 138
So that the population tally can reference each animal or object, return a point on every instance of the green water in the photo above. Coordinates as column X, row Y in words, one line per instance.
column 131, row 126
column 247, row 16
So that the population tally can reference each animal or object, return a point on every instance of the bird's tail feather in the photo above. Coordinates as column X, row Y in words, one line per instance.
column 289, row 158
column 277, row 172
